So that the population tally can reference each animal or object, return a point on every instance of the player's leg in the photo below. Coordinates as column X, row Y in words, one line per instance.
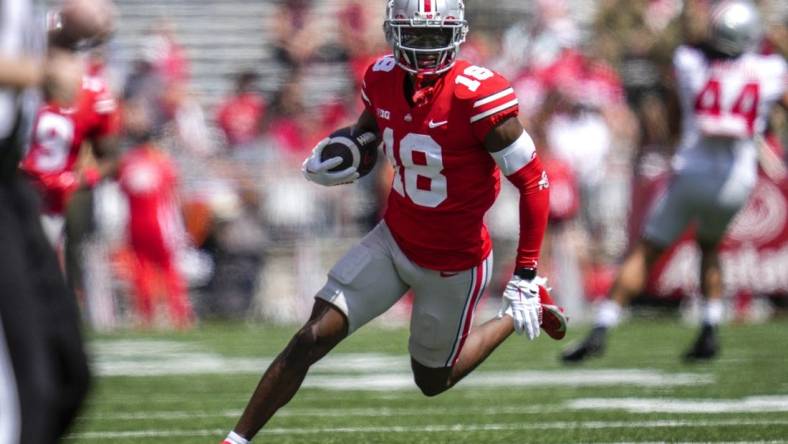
column 78, row 226
column 706, row 345
column 62, row 322
column 178, row 303
column 25, row 386
column 443, row 345
column 360, row 287
column 60, row 372
column 667, row 219
column 143, row 278
column 720, row 199
column 479, row 344
column 326, row 327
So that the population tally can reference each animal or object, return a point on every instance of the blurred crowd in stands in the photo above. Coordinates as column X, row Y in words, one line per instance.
column 596, row 96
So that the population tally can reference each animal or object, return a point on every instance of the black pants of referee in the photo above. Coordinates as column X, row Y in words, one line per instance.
column 40, row 338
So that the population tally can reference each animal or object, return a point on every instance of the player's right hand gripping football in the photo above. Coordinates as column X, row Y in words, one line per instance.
column 317, row 171
column 521, row 301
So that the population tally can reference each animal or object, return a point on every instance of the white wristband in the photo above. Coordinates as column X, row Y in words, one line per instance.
column 234, row 438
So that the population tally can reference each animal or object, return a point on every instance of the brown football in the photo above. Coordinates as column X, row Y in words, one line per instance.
column 356, row 150
column 81, row 20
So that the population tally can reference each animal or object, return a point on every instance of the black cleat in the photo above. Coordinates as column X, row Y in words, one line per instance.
column 706, row 346
column 592, row 346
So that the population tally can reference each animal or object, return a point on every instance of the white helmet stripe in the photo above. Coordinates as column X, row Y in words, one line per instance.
column 412, row 15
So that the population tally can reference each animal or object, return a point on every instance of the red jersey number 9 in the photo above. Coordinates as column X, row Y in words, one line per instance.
column 418, row 163
column 54, row 134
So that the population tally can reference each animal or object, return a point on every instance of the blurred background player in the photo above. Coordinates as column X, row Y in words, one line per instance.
column 449, row 128
column 240, row 116
column 44, row 367
column 726, row 91
column 79, row 109
column 148, row 178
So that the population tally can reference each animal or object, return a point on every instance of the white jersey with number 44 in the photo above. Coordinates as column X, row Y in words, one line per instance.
column 724, row 104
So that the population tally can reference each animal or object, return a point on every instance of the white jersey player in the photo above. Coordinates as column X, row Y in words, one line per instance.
column 725, row 103
column 726, row 91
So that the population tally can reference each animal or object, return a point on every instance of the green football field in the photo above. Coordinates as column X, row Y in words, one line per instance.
column 191, row 387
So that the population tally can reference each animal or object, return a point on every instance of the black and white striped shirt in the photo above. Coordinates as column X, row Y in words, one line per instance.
column 21, row 34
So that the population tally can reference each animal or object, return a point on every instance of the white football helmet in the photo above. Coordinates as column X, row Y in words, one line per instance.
column 735, row 27
column 425, row 34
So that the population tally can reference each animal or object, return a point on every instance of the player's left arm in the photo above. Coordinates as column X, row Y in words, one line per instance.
column 104, row 137
column 514, row 152
column 105, row 150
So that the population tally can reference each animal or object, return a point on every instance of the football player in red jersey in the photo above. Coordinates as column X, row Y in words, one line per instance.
column 148, row 178
column 449, row 129
column 79, row 107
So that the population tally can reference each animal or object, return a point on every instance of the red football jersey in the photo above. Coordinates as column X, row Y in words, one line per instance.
column 444, row 180
column 240, row 116
column 148, row 178
column 59, row 133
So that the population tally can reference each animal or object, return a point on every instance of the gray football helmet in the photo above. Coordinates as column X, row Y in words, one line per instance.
column 425, row 35
column 735, row 27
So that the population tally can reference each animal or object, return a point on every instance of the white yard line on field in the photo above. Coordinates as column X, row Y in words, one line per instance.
column 438, row 428
column 752, row 404
column 331, row 413
column 694, row 442
column 354, row 371
column 525, row 378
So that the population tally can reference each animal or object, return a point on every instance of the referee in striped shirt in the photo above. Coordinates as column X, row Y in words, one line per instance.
column 43, row 368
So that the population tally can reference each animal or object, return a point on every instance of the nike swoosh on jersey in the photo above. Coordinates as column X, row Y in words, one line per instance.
column 437, row 124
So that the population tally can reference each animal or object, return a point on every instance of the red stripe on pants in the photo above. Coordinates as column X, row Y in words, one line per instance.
column 466, row 323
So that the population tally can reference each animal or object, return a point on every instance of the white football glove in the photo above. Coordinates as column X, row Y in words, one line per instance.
column 316, row 170
column 521, row 301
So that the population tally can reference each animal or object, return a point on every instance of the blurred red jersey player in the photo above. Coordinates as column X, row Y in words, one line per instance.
column 148, row 178
column 79, row 109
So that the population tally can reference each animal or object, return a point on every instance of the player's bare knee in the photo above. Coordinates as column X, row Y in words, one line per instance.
column 431, row 381
column 310, row 344
column 430, row 385
column 303, row 348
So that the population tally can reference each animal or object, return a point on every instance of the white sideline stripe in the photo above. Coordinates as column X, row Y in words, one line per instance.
column 753, row 404
column 493, row 97
column 439, row 428
column 490, row 112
